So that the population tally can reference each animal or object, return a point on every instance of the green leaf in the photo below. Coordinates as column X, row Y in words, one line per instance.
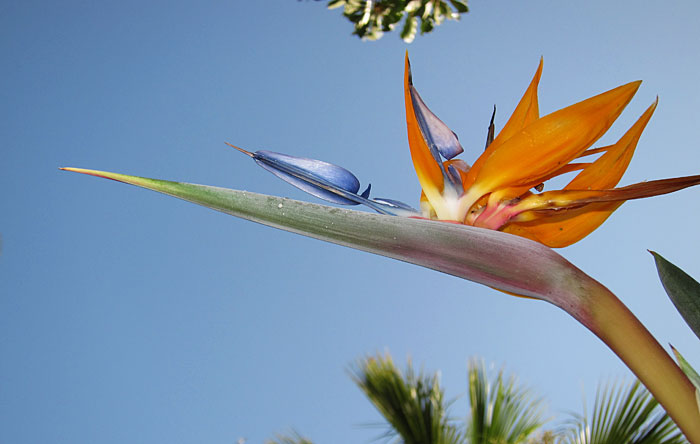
column 366, row 14
column 427, row 10
column 442, row 11
column 352, row 6
column 477, row 254
column 460, row 6
column 690, row 373
column 335, row 4
column 410, row 26
column 413, row 6
column 371, row 18
column 392, row 16
column 687, row 369
column 426, row 25
column 683, row 290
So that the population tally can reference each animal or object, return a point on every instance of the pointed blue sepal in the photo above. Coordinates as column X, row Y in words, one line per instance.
column 492, row 129
column 321, row 179
column 437, row 135
column 455, row 179
column 401, row 209
column 325, row 181
column 365, row 193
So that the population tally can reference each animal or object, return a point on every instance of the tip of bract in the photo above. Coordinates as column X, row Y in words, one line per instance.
column 247, row 153
column 96, row 173
column 82, row 171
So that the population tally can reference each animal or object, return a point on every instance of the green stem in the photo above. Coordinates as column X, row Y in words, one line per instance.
column 615, row 325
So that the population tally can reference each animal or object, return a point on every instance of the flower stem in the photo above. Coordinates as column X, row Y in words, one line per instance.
column 615, row 325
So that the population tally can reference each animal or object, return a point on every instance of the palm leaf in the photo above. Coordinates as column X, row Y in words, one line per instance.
column 292, row 438
column 630, row 416
column 413, row 405
column 501, row 412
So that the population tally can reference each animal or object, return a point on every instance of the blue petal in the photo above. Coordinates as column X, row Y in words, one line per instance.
column 436, row 134
column 395, row 204
column 325, row 180
column 492, row 129
column 321, row 179
column 365, row 193
column 455, row 178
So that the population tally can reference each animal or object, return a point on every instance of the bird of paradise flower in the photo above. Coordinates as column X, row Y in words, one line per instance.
column 498, row 197
column 501, row 190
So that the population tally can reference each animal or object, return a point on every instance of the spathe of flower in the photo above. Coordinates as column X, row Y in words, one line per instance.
column 481, row 255
column 502, row 190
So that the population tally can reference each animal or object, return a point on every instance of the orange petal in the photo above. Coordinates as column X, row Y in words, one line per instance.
column 607, row 170
column 563, row 229
column 525, row 113
column 550, row 142
column 513, row 192
column 592, row 151
column 427, row 169
column 519, row 229
column 561, row 218
column 602, row 174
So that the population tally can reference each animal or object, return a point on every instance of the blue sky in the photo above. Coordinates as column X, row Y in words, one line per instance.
column 127, row 316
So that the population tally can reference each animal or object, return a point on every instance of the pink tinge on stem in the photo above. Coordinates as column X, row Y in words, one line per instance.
column 500, row 260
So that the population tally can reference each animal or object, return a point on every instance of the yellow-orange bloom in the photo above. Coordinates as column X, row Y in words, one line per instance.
column 501, row 190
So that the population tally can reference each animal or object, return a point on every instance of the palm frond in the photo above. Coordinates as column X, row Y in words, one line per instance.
column 413, row 405
column 622, row 415
column 501, row 413
column 292, row 438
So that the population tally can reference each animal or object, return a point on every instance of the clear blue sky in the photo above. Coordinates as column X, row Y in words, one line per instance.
column 127, row 316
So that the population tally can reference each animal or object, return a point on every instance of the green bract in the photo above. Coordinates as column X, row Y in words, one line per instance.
column 500, row 260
